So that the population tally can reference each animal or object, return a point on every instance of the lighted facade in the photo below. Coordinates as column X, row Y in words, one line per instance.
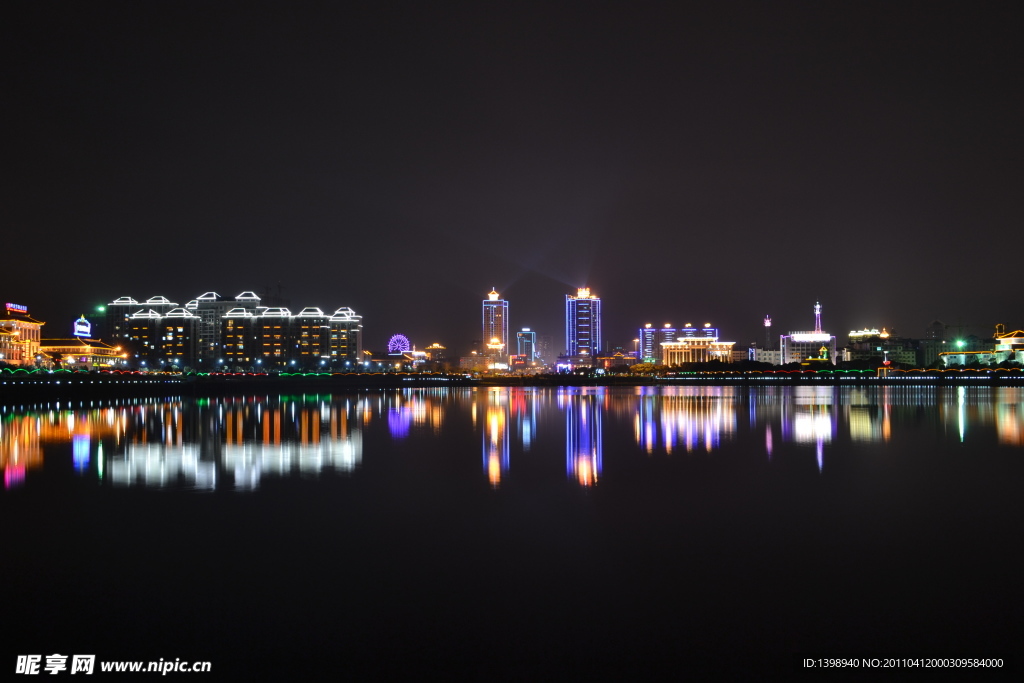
column 1009, row 346
column 797, row 347
column 211, row 332
column 696, row 345
column 19, row 336
column 651, row 338
column 495, row 324
column 117, row 322
column 526, row 344
column 582, row 324
column 170, row 338
column 83, row 354
column 269, row 337
column 211, row 308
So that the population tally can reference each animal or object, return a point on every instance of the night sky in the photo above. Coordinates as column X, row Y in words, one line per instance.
column 689, row 164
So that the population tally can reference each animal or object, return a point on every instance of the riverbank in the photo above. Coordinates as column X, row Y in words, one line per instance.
column 22, row 386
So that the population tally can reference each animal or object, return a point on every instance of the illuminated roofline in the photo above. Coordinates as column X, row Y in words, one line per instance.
column 179, row 313
column 160, row 301
column 311, row 310
column 142, row 315
column 345, row 314
column 239, row 313
column 582, row 293
column 124, row 301
column 209, row 296
column 276, row 312
column 247, row 296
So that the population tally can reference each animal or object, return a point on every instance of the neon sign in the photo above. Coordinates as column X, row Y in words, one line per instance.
column 83, row 328
column 16, row 307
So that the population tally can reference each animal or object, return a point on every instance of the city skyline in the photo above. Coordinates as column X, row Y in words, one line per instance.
column 689, row 163
column 647, row 338
column 358, row 177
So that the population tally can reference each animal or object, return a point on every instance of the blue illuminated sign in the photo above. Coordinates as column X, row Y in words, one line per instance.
column 83, row 328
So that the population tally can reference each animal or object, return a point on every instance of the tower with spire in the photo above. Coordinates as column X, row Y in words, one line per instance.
column 798, row 347
column 495, row 324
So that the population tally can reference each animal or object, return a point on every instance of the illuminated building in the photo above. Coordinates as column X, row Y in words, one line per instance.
column 693, row 345
column 169, row 338
column 1009, row 346
column 211, row 308
column 345, row 335
column 872, row 344
column 496, row 351
column 650, row 340
column 81, row 353
column 436, row 356
column 117, row 322
column 19, row 336
column 265, row 338
column 238, row 336
column 645, row 343
column 797, row 347
column 582, row 324
column 617, row 359
column 857, row 336
column 526, row 343
column 211, row 332
column 495, row 323
column 117, row 313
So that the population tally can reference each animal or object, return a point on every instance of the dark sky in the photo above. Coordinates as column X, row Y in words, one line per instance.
column 689, row 164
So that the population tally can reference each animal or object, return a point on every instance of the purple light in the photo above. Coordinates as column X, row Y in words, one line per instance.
column 399, row 421
column 399, row 344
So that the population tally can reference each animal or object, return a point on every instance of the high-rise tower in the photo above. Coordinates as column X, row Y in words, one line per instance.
column 495, row 322
column 526, row 344
column 582, row 323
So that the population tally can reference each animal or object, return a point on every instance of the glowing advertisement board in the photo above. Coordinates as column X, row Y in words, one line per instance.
column 83, row 328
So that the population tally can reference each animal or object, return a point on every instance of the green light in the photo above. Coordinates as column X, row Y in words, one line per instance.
column 101, row 308
column 960, row 343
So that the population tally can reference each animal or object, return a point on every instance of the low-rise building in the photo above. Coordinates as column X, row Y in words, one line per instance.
column 19, row 336
column 81, row 353
column 693, row 345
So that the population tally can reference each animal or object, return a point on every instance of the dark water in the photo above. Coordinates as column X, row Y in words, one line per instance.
column 517, row 533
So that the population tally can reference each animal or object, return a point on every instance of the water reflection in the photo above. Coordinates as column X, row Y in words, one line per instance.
column 689, row 418
column 494, row 415
column 239, row 442
column 584, row 437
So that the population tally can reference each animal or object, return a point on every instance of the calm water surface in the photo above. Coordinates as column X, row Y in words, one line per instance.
column 517, row 533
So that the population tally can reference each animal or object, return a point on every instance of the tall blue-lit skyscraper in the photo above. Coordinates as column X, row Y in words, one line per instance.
column 495, row 322
column 582, row 323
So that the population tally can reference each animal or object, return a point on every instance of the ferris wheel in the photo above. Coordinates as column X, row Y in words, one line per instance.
column 399, row 343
